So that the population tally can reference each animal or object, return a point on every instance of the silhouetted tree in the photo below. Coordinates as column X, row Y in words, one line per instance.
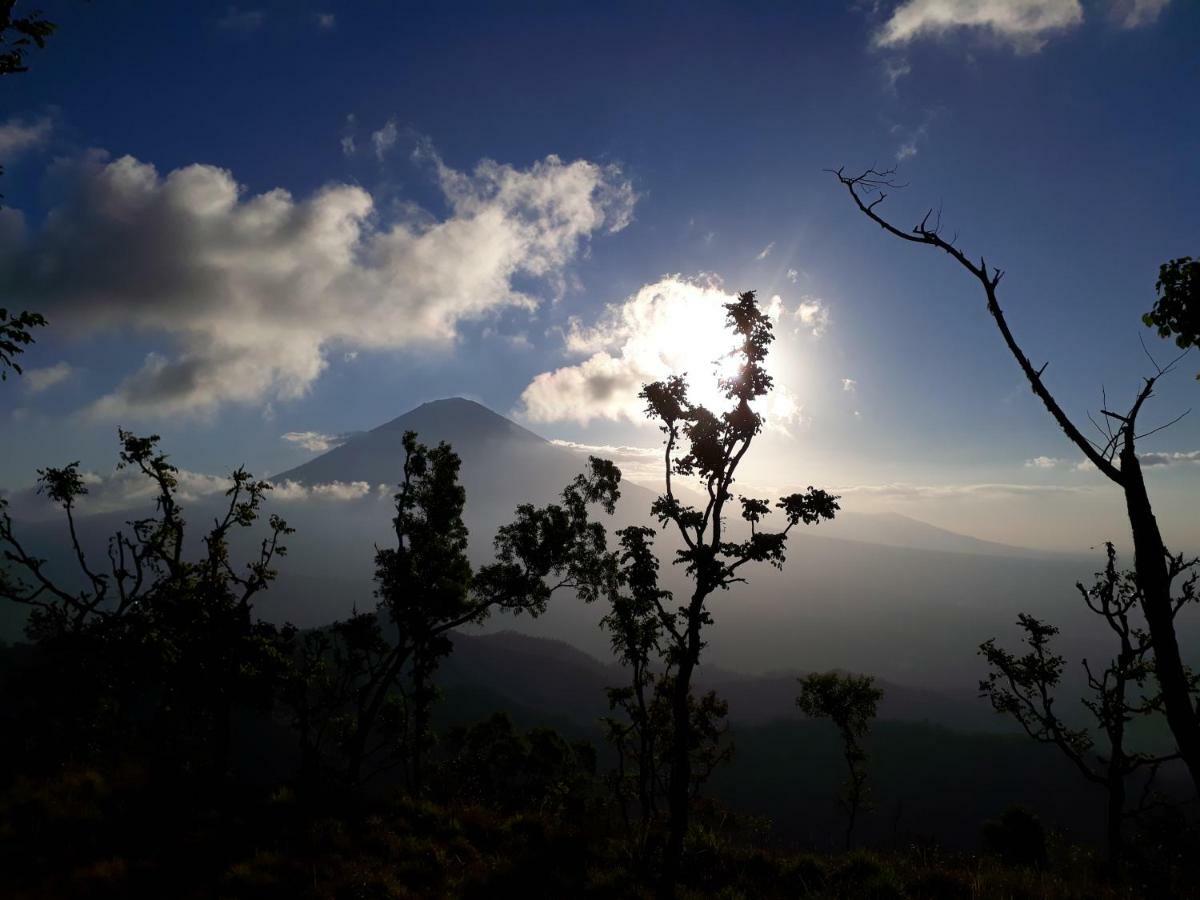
column 380, row 677
column 1115, row 456
column 849, row 701
column 1176, row 312
column 634, row 622
column 1024, row 687
column 492, row 763
column 151, row 621
column 15, row 336
column 716, row 444
column 18, row 35
column 642, row 734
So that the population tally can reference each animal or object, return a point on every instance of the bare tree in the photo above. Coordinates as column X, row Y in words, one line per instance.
column 715, row 447
column 1114, row 455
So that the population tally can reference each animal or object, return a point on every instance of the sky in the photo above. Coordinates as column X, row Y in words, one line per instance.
column 256, row 228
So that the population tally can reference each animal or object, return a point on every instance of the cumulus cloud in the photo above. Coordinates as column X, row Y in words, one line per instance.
column 18, row 135
column 1045, row 462
column 316, row 441
column 38, row 380
column 1136, row 13
column 337, row 491
column 675, row 326
column 813, row 315
column 849, row 385
column 254, row 291
column 1025, row 24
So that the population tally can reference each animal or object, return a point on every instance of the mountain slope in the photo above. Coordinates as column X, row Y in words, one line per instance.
column 503, row 464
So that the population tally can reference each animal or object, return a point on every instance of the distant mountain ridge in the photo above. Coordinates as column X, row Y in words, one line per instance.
column 503, row 464
column 487, row 441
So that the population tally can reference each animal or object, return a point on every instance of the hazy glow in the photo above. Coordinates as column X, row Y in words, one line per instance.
column 675, row 326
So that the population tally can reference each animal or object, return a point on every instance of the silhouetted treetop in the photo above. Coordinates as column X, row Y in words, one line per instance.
column 20, row 34
column 1176, row 312
column 15, row 336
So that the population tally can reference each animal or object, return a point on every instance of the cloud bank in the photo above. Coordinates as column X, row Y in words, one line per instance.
column 253, row 292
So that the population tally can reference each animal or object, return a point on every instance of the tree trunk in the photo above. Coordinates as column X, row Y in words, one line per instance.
column 1153, row 578
column 1116, row 814
column 679, row 783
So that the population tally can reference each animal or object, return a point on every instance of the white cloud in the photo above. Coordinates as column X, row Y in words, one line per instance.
column 122, row 489
column 38, row 380
column 18, row 135
column 793, row 275
column 1146, row 459
column 326, row 20
column 1026, row 24
column 849, row 385
column 675, row 326
column 813, row 315
column 894, row 69
column 1045, row 462
column 643, row 464
column 611, row 451
column 1166, row 459
column 766, row 251
column 913, row 138
column 337, row 491
column 251, row 290
column 384, row 139
column 1136, row 13
column 316, row 441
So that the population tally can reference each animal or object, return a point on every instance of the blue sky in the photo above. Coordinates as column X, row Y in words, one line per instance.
column 477, row 196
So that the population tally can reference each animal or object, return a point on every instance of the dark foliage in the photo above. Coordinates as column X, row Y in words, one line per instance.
column 1024, row 687
column 150, row 645
column 15, row 335
column 364, row 691
column 849, row 701
column 1176, row 312
column 708, row 447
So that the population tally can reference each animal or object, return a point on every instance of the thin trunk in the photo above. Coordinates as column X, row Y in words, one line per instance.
column 679, row 782
column 1150, row 564
column 421, row 705
column 645, row 762
column 365, row 721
